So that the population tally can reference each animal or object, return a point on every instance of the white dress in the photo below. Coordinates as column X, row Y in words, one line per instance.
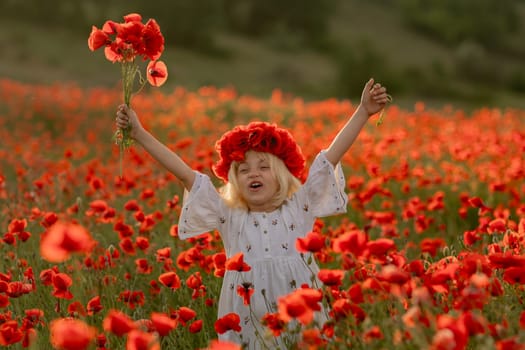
column 267, row 241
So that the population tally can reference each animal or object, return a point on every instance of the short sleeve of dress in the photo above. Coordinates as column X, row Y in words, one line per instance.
column 201, row 208
column 325, row 188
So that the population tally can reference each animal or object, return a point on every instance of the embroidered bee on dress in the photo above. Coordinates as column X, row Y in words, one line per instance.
column 292, row 227
column 222, row 219
column 293, row 284
column 232, row 287
column 284, row 246
column 255, row 223
column 305, row 208
column 274, row 222
column 248, row 247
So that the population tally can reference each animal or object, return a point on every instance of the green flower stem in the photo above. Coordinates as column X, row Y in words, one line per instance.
column 122, row 137
column 383, row 113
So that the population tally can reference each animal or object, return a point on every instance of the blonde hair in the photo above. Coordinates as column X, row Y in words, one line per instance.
column 287, row 184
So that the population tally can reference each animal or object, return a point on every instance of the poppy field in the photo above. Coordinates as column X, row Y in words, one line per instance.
column 430, row 255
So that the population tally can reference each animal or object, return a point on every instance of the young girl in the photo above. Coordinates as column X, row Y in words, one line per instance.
column 263, row 207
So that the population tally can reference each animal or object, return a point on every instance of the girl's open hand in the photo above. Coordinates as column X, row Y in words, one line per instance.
column 374, row 97
column 126, row 117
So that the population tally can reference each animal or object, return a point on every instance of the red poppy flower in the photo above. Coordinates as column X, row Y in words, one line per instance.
column 477, row 203
column 97, row 39
column 17, row 289
column 393, row 274
column 9, row 238
column 355, row 293
column 153, row 40
column 142, row 243
column 372, row 333
column 223, row 345
column 163, row 254
column 10, row 333
column 332, row 278
column 236, row 263
column 132, row 205
column 132, row 17
column 300, row 305
column 184, row 314
column 497, row 226
column 94, row 306
column 474, row 323
column 245, row 291
column 46, row 276
column 313, row 242
column 162, row 323
column 118, row 323
column 49, row 219
column 445, row 274
column 507, row 259
column 63, row 239
column 274, row 322
column 123, row 229
column 195, row 326
column 139, row 340
column 143, row 266
column 157, row 73
column 132, row 298
column 459, row 332
column 380, row 246
column 76, row 308
column 350, row 242
column 71, row 334
column 513, row 275
column 32, row 318
column 511, row 343
column 18, row 226
column 170, row 279
column 228, row 322
column 61, row 284
column 194, row 281
column 101, row 341
column 154, row 287
column 174, row 231
column 431, row 245
column 188, row 257
column 343, row 308
column 219, row 261
column 129, row 39
column 127, row 246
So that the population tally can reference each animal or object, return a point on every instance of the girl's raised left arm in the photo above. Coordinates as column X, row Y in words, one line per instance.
column 373, row 98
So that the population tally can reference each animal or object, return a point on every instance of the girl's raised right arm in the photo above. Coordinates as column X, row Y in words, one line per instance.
column 166, row 157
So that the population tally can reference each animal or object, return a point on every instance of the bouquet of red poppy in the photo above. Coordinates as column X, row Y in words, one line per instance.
column 123, row 43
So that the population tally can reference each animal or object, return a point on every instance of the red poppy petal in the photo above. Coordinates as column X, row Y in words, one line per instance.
column 157, row 73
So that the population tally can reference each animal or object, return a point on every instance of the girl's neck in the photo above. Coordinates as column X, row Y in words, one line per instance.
column 268, row 209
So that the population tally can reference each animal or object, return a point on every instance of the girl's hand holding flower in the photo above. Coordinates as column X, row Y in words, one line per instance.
column 126, row 117
column 374, row 99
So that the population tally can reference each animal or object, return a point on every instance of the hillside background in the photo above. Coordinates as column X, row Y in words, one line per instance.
column 468, row 53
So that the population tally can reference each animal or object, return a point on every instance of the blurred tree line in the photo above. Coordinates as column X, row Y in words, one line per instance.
column 188, row 23
column 471, row 28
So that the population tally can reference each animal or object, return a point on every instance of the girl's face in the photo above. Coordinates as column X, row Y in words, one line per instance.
column 257, row 183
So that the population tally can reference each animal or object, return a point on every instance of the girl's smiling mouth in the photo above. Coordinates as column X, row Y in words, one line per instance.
column 255, row 185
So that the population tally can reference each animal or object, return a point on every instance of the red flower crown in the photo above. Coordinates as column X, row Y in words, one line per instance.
column 259, row 137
